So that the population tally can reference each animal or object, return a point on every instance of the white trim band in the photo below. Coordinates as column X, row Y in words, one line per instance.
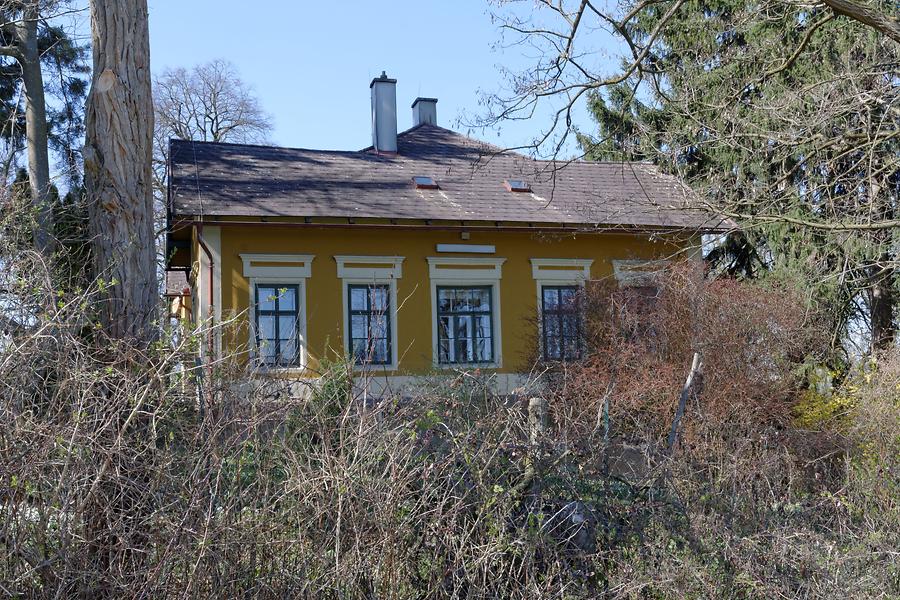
column 561, row 269
column 369, row 267
column 442, row 268
column 473, row 248
column 296, row 266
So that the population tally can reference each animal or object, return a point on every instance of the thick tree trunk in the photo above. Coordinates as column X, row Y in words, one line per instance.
column 882, row 309
column 36, row 128
column 117, row 163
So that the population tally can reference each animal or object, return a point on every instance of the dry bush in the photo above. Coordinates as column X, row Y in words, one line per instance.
column 746, row 504
column 145, row 476
column 753, row 341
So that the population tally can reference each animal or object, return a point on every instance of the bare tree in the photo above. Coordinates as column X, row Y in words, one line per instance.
column 118, row 173
column 208, row 102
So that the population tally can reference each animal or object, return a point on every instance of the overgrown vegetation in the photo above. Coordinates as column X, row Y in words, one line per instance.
column 144, row 476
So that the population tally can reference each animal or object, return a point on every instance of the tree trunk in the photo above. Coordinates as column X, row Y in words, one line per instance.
column 117, row 164
column 882, row 309
column 36, row 128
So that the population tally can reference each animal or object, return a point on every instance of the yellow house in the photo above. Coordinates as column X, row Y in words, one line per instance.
column 428, row 250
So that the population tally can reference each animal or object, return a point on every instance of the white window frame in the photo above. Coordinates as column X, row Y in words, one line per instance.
column 368, row 270
column 555, row 272
column 295, row 270
column 487, row 272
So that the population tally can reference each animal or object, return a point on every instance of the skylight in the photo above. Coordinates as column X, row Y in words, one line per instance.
column 425, row 183
column 517, row 185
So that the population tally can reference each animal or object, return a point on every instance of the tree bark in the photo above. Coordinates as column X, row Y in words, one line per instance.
column 867, row 15
column 117, row 163
column 29, row 60
column 882, row 309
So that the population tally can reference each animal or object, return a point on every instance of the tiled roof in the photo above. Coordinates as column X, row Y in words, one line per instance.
column 214, row 179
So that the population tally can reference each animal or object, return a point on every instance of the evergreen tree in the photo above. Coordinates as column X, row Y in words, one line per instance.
column 784, row 119
column 64, row 63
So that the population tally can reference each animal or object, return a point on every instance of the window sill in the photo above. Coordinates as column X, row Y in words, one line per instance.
column 285, row 370
column 466, row 366
column 369, row 368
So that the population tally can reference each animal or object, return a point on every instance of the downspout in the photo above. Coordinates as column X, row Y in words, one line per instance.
column 211, row 304
column 209, row 257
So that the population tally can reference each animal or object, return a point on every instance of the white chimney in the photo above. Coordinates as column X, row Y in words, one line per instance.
column 384, row 113
column 424, row 111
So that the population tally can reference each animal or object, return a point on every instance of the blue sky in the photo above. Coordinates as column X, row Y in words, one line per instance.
column 310, row 63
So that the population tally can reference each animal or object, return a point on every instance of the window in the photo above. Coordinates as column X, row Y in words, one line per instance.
column 277, row 311
column 517, row 185
column 369, row 323
column 369, row 285
column 425, row 183
column 465, row 325
column 560, row 322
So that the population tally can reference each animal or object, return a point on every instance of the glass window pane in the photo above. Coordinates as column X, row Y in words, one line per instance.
column 360, row 349
column 266, row 327
column 472, row 302
column 380, row 351
column 267, row 350
column 444, row 351
column 444, row 327
column 551, row 326
column 551, row 298
column 463, row 328
column 483, row 326
column 552, row 347
column 359, row 327
column 567, row 296
column 462, row 350
column 570, row 326
column 266, row 298
column 484, row 300
column 288, row 351
column 444, row 299
column 287, row 327
column 287, row 298
column 378, row 326
column 483, row 350
column 461, row 300
column 380, row 298
column 358, row 298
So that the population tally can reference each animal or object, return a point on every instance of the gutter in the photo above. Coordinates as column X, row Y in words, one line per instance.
column 410, row 227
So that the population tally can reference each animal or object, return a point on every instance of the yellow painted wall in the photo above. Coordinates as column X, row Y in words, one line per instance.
column 325, row 321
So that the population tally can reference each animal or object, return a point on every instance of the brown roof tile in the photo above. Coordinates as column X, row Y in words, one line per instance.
column 213, row 179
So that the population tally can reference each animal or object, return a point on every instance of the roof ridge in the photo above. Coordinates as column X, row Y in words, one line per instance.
column 477, row 141
column 265, row 146
column 367, row 150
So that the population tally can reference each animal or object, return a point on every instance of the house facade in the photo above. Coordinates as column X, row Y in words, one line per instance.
column 427, row 251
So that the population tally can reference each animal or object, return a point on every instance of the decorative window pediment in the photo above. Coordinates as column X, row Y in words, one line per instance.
column 569, row 270
column 369, row 267
column 465, row 268
column 293, row 266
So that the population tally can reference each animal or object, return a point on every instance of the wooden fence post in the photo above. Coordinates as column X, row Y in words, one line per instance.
column 537, row 418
